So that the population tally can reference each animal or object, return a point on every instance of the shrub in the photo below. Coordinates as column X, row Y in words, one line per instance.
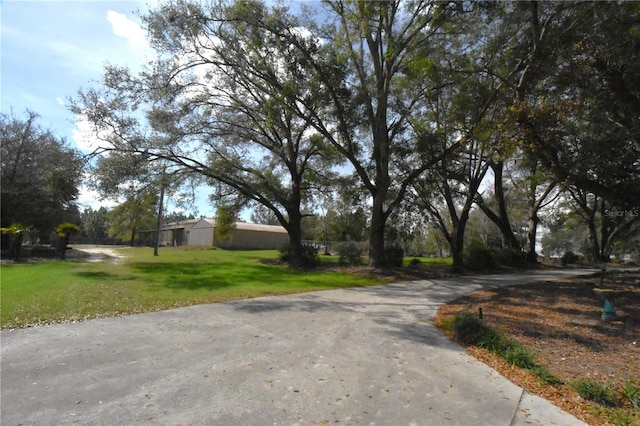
column 415, row 262
column 631, row 392
column 478, row 257
column 510, row 258
column 599, row 393
column 569, row 257
column 350, row 253
column 394, row 256
column 492, row 341
column 519, row 356
column 468, row 328
column 309, row 257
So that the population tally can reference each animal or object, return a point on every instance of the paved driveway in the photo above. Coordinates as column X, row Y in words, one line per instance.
column 343, row 357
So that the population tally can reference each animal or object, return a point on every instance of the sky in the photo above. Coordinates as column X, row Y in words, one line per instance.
column 51, row 49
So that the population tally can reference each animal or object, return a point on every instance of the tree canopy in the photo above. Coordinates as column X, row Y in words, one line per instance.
column 421, row 102
column 41, row 175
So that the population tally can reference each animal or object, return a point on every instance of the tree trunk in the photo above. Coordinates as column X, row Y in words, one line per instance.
column 458, row 233
column 457, row 248
column 16, row 245
column 605, row 234
column 159, row 221
column 535, row 204
column 501, row 219
column 376, row 240
column 594, row 240
column 532, row 256
column 383, row 181
column 133, row 236
column 62, row 246
column 505, row 224
column 294, row 229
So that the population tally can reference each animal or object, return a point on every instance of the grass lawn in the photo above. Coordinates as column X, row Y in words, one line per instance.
column 56, row 291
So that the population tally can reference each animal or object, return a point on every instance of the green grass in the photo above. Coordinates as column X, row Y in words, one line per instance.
column 600, row 393
column 61, row 291
column 430, row 261
column 406, row 261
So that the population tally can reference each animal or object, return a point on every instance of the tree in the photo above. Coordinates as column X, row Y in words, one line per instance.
column 514, row 48
column 606, row 224
column 580, row 121
column 177, row 216
column 116, row 171
column 457, row 189
column 463, row 108
column 222, row 93
column 583, row 223
column 137, row 212
column 576, row 96
column 63, row 232
column 261, row 214
column 41, row 175
column 373, row 69
column 522, row 189
column 566, row 233
column 94, row 224
column 15, row 235
column 344, row 211
column 540, row 191
column 497, row 208
column 225, row 222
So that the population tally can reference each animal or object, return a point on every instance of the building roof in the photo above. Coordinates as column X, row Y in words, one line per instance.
column 180, row 224
column 208, row 223
column 211, row 222
column 259, row 227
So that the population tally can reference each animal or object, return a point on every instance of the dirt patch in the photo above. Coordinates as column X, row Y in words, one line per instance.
column 95, row 253
column 561, row 323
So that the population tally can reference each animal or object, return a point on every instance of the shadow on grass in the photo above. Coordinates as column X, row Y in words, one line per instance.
column 191, row 283
column 171, row 268
column 97, row 275
column 190, row 276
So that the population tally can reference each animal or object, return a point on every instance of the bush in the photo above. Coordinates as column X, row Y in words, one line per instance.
column 308, row 259
column 310, row 255
column 510, row 258
column 631, row 392
column 519, row 356
column 468, row 328
column 478, row 257
column 394, row 256
column 350, row 253
column 569, row 257
column 493, row 341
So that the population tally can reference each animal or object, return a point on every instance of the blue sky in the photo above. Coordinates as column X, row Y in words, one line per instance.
column 52, row 49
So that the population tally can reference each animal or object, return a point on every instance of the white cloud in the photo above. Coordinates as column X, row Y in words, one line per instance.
column 90, row 198
column 84, row 135
column 125, row 27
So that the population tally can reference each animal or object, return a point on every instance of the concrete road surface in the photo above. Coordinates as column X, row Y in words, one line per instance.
column 362, row 356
